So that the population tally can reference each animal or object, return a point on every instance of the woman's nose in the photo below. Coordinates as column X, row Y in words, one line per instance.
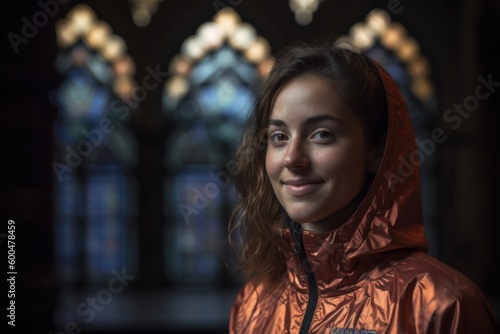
column 296, row 156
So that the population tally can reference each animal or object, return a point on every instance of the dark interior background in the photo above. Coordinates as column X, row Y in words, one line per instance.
column 460, row 39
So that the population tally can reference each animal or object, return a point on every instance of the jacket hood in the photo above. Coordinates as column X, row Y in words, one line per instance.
column 390, row 215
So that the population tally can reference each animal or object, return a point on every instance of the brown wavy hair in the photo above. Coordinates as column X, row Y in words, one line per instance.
column 258, row 221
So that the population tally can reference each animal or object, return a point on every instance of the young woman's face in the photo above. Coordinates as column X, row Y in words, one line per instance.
column 317, row 157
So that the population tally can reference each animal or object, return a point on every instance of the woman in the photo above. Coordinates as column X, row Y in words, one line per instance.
column 332, row 234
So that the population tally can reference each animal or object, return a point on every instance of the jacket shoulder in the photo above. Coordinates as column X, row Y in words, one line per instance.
column 439, row 275
column 443, row 298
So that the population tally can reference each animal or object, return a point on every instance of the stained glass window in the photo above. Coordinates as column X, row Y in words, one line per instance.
column 95, row 155
column 206, row 107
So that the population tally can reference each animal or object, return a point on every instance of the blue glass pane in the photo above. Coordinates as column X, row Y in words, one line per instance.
column 195, row 221
column 82, row 104
column 106, row 193
column 80, row 96
column 67, row 242
column 68, row 196
column 108, row 232
column 105, row 245
column 67, row 206
column 223, row 60
column 223, row 85
column 100, row 69
column 226, row 97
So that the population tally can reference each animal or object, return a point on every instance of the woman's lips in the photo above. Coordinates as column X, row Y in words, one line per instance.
column 301, row 187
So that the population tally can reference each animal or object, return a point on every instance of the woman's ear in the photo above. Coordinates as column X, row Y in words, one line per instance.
column 376, row 154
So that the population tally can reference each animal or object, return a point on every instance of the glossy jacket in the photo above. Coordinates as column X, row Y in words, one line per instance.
column 371, row 275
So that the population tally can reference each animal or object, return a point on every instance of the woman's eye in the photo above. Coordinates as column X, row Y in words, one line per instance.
column 277, row 137
column 322, row 135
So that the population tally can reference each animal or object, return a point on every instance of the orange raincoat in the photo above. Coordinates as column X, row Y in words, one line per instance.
column 371, row 275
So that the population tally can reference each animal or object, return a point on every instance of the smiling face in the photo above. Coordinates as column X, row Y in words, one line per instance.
column 317, row 157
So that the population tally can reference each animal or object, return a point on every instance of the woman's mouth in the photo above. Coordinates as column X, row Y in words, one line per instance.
column 301, row 187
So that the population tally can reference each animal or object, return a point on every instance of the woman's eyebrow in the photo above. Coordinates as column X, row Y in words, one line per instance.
column 277, row 122
column 311, row 120
column 320, row 118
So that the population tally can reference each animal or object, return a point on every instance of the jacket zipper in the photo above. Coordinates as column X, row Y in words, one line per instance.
column 311, row 280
